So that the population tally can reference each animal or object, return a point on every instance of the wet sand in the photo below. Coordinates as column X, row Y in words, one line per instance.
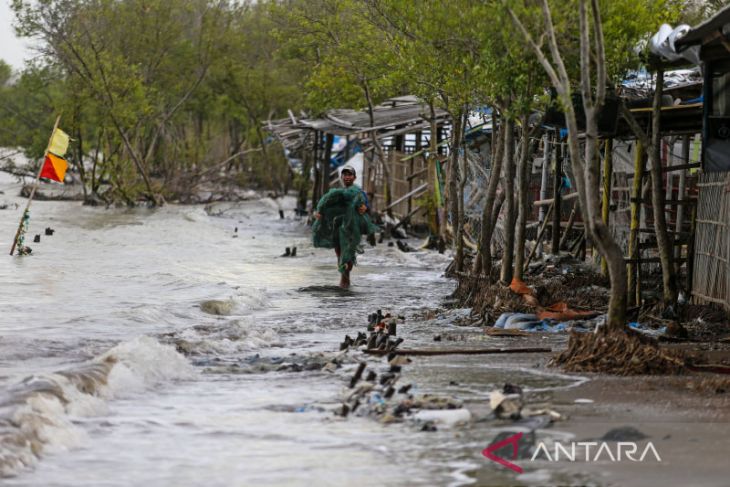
column 686, row 418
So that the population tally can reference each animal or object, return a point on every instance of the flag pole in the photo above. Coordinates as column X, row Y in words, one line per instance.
column 35, row 186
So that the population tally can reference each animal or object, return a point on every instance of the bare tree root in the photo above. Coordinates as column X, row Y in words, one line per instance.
column 619, row 352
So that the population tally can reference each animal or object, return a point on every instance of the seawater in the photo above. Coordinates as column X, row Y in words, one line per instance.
column 94, row 392
column 111, row 374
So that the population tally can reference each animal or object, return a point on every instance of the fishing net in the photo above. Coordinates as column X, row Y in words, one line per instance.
column 341, row 225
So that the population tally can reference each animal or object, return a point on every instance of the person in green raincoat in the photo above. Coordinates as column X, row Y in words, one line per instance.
column 341, row 219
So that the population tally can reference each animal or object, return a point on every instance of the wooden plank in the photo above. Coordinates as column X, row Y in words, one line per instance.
column 673, row 202
column 460, row 351
column 417, row 173
column 668, row 108
column 666, row 169
column 650, row 260
column 549, row 201
column 416, row 191
column 709, row 298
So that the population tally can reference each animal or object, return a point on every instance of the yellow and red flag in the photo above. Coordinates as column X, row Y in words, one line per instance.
column 54, row 168
column 59, row 143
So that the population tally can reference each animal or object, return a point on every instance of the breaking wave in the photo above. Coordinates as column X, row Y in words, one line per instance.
column 36, row 414
column 224, row 338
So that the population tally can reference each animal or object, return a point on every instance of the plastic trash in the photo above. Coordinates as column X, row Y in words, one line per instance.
column 444, row 417
column 516, row 321
column 646, row 330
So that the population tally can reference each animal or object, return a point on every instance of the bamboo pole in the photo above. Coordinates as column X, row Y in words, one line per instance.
column 569, row 226
column 547, row 141
column 35, row 186
column 539, row 237
column 317, row 168
column 680, row 195
column 691, row 251
column 606, row 202
column 563, row 199
column 557, row 211
column 639, row 158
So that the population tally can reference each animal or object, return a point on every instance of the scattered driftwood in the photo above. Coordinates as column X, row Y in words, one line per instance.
column 462, row 351
column 501, row 332
column 712, row 368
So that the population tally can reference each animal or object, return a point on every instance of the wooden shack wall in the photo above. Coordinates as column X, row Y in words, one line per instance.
column 711, row 277
column 400, row 171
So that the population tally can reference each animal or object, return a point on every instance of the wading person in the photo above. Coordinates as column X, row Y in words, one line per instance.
column 341, row 220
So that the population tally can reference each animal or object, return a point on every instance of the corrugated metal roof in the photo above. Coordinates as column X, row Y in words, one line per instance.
column 399, row 112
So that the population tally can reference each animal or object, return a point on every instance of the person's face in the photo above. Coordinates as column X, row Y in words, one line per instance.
column 348, row 178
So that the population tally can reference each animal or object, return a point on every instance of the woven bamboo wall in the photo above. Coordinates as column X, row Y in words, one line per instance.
column 711, row 277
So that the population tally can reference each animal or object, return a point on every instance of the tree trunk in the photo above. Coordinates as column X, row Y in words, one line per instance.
column 606, row 196
column 546, row 158
column 509, row 192
column 586, row 168
column 483, row 262
column 432, row 180
column 599, row 232
column 669, row 283
column 94, row 182
column 522, row 199
column 462, row 220
column 452, row 199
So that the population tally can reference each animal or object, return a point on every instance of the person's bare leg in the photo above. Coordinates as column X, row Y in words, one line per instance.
column 344, row 280
column 345, row 276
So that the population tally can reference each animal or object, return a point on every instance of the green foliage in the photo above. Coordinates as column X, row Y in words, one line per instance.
column 163, row 95
column 27, row 105
column 5, row 72
column 349, row 56
column 459, row 53
column 156, row 93
column 627, row 25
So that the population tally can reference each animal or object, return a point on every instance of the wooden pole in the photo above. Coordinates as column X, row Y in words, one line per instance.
column 539, row 238
column 691, row 251
column 35, row 186
column 547, row 141
column 569, row 226
column 315, row 164
column 639, row 158
column 327, row 157
column 606, row 203
column 557, row 180
column 680, row 196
